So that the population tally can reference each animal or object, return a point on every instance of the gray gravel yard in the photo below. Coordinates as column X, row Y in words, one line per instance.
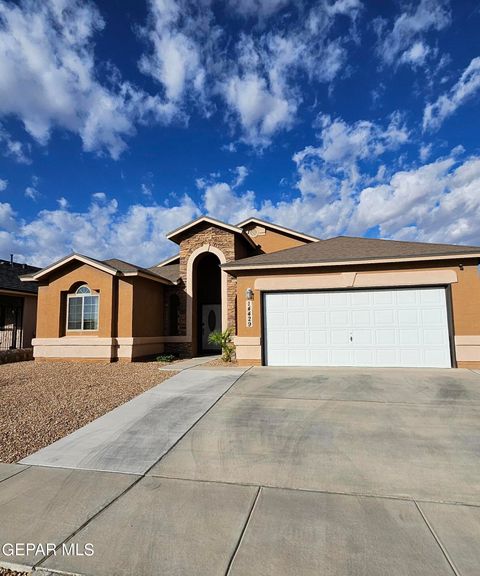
column 41, row 402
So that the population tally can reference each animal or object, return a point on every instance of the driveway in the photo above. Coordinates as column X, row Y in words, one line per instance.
column 288, row 471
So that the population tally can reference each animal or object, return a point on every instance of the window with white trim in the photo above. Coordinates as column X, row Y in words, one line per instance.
column 82, row 309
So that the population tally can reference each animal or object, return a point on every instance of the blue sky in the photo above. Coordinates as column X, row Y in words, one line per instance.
column 120, row 121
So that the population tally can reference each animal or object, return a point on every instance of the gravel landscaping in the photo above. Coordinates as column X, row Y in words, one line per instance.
column 219, row 363
column 41, row 402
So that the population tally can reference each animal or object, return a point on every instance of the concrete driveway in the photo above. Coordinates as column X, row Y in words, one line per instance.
column 292, row 471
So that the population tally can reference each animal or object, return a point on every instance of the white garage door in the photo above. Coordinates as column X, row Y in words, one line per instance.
column 394, row 327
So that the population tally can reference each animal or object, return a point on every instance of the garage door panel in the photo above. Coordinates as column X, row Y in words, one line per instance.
column 362, row 337
column 382, row 297
column 385, row 317
column 361, row 318
column 296, row 318
column 408, row 317
column 431, row 317
column 317, row 317
column 408, row 337
column 319, row 338
column 434, row 337
column 392, row 327
column 297, row 337
column 385, row 337
column 296, row 300
column 339, row 318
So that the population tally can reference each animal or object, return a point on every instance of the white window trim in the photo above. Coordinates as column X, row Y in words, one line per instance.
column 82, row 296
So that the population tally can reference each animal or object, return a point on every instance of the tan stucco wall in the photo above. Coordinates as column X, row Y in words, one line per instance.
column 148, row 312
column 130, row 317
column 465, row 299
column 273, row 241
column 51, row 317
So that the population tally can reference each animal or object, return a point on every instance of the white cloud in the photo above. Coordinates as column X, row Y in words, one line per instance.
column 404, row 42
column 258, row 8
column 464, row 89
column 437, row 202
column 63, row 203
column 343, row 145
column 48, row 77
column 189, row 55
column 137, row 235
column 32, row 193
column 241, row 173
column 261, row 88
column 416, row 54
column 13, row 148
column 181, row 39
column 3, row 185
column 262, row 110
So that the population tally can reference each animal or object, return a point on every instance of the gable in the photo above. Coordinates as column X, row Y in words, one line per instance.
column 269, row 240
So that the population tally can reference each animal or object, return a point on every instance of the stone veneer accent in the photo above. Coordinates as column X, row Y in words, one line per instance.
column 224, row 241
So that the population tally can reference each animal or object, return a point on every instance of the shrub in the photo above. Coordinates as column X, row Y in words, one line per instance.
column 165, row 358
column 224, row 340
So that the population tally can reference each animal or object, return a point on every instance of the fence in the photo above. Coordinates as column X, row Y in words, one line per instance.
column 11, row 316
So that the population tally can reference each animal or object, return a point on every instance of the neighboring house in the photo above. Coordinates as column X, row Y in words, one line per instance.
column 18, row 305
column 291, row 299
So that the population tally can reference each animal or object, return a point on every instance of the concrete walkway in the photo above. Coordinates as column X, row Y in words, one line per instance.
column 134, row 436
column 188, row 363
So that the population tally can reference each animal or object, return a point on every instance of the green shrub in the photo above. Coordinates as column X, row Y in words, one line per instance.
column 225, row 341
column 165, row 358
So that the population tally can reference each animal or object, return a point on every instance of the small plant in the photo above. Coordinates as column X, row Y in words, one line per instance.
column 225, row 341
column 165, row 358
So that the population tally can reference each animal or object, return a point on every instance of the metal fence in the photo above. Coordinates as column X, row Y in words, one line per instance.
column 11, row 317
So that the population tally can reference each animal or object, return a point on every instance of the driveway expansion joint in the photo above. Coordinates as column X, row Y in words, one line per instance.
column 437, row 540
column 243, row 532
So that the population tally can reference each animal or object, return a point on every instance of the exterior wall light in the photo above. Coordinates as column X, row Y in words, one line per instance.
column 249, row 294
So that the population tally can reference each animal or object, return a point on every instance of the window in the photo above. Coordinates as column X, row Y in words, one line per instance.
column 82, row 310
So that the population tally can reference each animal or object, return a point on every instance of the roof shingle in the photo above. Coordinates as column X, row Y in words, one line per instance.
column 348, row 249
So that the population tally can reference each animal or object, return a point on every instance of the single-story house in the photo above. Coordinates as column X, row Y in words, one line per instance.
column 18, row 305
column 290, row 298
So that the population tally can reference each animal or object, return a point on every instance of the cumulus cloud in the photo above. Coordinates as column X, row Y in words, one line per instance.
column 48, row 77
column 261, row 86
column 3, row 184
column 343, row 145
column 194, row 63
column 102, row 231
column 437, row 201
column 181, row 36
column 404, row 42
column 447, row 104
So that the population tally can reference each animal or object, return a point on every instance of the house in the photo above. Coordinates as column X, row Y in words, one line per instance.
column 18, row 305
column 291, row 299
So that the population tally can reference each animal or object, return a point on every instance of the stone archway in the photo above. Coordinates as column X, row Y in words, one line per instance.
column 206, row 296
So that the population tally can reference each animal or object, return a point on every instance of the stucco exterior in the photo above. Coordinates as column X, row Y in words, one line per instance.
column 142, row 313
column 463, row 279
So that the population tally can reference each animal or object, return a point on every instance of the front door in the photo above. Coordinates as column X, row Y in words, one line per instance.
column 211, row 321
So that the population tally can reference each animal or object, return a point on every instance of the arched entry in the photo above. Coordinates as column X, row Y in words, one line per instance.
column 207, row 301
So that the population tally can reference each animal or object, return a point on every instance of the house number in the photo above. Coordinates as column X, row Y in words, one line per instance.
column 249, row 313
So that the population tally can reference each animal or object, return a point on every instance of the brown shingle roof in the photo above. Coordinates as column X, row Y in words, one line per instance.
column 164, row 272
column 348, row 249
column 169, row 271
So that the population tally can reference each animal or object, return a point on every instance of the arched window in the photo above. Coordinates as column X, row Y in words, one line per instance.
column 82, row 309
